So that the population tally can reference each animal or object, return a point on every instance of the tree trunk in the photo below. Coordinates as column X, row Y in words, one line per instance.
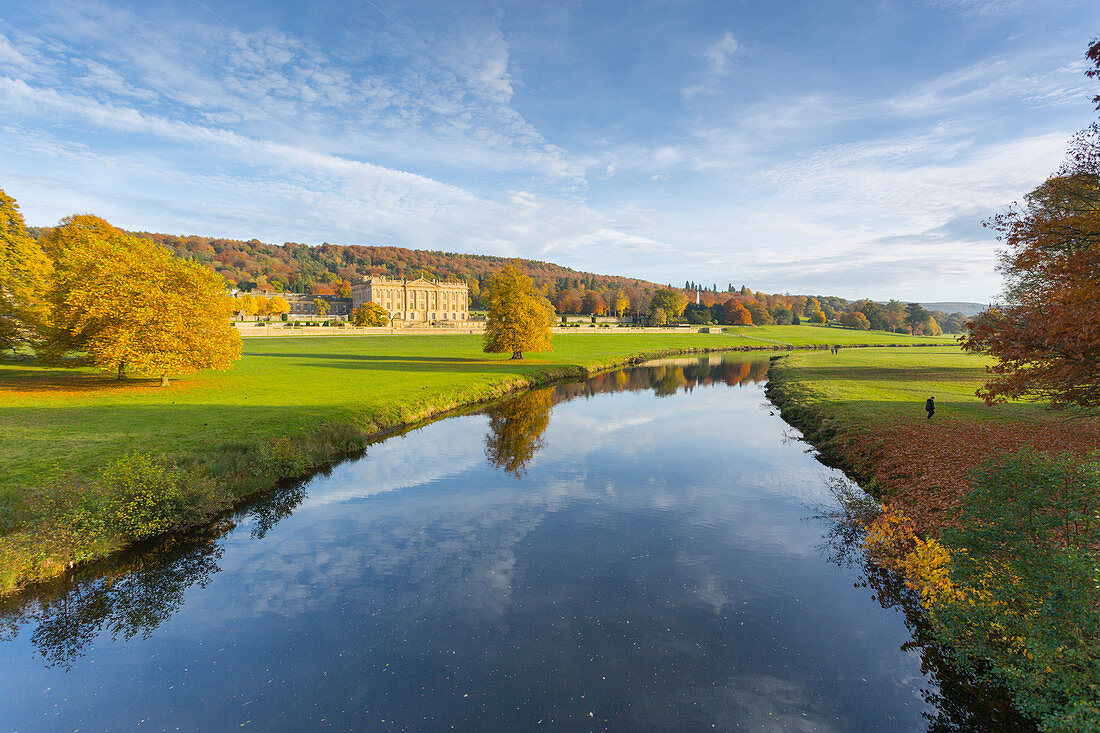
column 121, row 370
column 517, row 354
column 163, row 380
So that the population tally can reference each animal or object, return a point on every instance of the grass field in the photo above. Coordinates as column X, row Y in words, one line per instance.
column 58, row 419
column 864, row 409
column 289, row 406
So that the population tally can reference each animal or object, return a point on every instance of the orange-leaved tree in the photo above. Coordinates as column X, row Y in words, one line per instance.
column 1045, row 336
column 129, row 305
column 24, row 273
column 519, row 318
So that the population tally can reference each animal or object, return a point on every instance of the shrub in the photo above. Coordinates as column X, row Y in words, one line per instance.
column 1025, row 552
column 283, row 458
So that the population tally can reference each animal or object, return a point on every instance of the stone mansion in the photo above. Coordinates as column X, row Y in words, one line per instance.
column 405, row 301
column 417, row 300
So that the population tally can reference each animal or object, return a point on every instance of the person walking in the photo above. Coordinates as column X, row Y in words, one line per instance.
column 930, row 407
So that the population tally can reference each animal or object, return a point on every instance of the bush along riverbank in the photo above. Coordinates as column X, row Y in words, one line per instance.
column 289, row 410
column 1001, row 544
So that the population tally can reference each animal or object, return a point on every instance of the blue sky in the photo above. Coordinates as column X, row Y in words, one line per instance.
column 848, row 148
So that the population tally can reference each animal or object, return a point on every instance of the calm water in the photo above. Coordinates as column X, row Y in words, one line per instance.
column 634, row 552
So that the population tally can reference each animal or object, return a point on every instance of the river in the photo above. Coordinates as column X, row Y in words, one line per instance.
column 639, row 551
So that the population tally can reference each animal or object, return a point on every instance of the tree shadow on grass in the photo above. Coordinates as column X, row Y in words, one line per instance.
column 414, row 364
column 376, row 357
column 919, row 373
column 45, row 379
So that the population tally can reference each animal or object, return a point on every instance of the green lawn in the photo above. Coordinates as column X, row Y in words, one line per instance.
column 77, row 420
column 883, row 385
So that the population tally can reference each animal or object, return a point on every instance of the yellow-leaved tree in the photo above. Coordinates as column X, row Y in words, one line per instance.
column 246, row 304
column 278, row 305
column 24, row 274
column 519, row 318
column 370, row 314
column 129, row 305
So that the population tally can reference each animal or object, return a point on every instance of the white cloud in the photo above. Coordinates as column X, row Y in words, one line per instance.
column 719, row 55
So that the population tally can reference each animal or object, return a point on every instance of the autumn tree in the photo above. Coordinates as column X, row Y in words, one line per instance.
column 370, row 314
column 519, row 319
column 278, row 305
column 854, row 319
column 594, row 303
column 760, row 314
column 246, row 304
column 735, row 314
column 24, row 272
column 1046, row 335
column 320, row 306
column 622, row 303
column 129, row 305
column 671, row 301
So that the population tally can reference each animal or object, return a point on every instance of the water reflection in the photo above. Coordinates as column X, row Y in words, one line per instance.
column 957, row 701
column 517, row 424
column 129, row 599
column 132, row 594
column 652, row 569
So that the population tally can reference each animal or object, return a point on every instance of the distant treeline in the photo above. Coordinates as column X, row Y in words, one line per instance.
column 325, row 269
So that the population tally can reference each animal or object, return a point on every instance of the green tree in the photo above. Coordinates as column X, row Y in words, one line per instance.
column 916, row 317
column 519, row 319
column 672, row 301
column 894, row 315
column 760, row 314
column 24, row 272
column 320, row 306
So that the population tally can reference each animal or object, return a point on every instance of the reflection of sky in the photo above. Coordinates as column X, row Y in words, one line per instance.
column 652, row 568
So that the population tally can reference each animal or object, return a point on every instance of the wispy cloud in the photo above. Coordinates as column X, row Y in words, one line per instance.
column 719, row 55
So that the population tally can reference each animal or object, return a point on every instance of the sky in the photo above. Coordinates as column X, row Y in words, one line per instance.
column 847, row 148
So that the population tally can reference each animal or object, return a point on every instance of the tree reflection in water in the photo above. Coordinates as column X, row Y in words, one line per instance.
column 961, row 702
column 516, row 426
column 132, row 594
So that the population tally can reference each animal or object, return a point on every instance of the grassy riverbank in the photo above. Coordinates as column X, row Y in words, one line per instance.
column 290, row 406
column 992, row 511
column 864, row 411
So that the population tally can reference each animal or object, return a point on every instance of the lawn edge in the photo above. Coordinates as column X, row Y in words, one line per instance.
column 24, row 563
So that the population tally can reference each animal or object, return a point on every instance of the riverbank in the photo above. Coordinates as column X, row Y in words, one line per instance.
column 289, row 407
column 864, row 412
column 990, row 512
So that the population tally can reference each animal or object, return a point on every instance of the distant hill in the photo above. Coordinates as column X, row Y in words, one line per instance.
column 325, row 268
column 967, row 309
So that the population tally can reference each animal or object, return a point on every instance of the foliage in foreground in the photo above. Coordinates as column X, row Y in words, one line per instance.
column 1014, row 590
